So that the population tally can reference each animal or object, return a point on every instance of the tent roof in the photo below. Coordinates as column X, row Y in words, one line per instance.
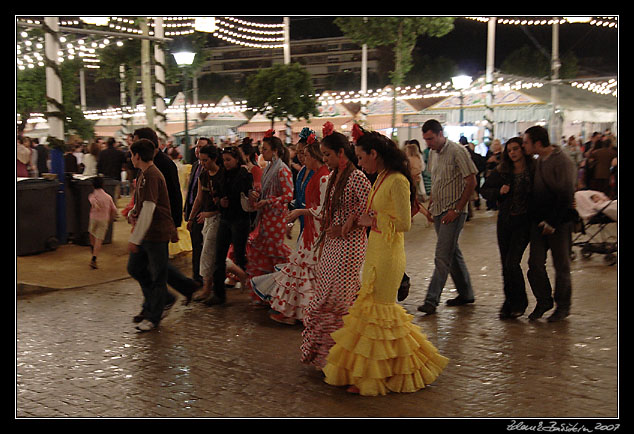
column 580, row 104
column 212, row 127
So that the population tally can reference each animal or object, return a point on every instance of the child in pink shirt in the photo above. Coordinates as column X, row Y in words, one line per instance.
column 102, row 212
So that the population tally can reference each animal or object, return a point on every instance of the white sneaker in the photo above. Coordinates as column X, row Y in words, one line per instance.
column 146, row 325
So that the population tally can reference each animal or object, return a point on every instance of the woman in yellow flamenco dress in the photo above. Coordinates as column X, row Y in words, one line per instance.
column 378, row 349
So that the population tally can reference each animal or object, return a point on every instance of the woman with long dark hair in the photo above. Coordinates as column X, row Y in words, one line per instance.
column 266, row 247
column 378, row 349
column 250, row 156
column 234, row 225
column 342, row 244
column 509, row 186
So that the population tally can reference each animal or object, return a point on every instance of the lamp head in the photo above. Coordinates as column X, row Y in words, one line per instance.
column 461, row 81
column 184, row 58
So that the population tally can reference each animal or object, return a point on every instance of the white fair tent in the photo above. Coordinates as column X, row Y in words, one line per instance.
column 519, row 103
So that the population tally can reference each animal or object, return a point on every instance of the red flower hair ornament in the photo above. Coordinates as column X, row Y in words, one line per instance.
column 356, row 132
column 327, row 129
column 269, row 133
column 310, row 139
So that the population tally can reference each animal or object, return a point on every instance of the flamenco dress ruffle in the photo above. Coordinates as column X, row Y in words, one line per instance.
column 379, row 350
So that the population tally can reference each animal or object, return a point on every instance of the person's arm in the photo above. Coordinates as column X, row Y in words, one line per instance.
column 361, row 189
column 492, row 187
column 113, row 210
column 195, row 207
column 401, row 219
column 562, row 189
column 469, row 188
column 286, row 182
column 143, row 223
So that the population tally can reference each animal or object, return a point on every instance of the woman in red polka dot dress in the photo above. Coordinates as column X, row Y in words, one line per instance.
column 267, row 248
column 290, row 288
column 342, row 245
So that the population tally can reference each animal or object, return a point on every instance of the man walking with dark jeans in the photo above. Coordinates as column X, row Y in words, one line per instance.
column 552, row 201
column 153, row 230
column 177, row 280
column 453, row 183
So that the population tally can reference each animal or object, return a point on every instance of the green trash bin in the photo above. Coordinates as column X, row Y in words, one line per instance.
column 79, row 188
column 36, row 216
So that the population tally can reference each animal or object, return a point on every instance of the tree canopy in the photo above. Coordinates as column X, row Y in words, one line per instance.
column 282, row 91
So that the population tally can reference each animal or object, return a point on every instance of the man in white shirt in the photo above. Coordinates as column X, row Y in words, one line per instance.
column 453, row 183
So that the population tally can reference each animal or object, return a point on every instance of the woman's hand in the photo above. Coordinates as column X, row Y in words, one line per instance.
column 334, row 231
column 133, row 248
column 348, row 225
column 365, row 220
column 261, row 204
column 254, row 195
column 295, row 214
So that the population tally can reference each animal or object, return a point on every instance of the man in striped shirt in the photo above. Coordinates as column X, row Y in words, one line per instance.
column 453, row 183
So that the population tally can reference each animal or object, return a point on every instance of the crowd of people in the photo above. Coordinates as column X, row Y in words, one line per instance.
column 354, row 199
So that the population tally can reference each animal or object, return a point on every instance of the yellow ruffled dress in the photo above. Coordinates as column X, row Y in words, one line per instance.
column 184, row 243
column 378, row 349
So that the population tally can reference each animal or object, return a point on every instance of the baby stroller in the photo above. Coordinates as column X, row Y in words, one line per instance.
column 596, row 211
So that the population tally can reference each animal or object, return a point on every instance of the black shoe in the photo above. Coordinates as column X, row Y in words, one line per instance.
column 511, row 314
column 427, row 308
column 459, row 301
column 403, row 290
column 539, row 311
column 559, row 315
column 195, row 286
column 138, row 318
column 214, row 301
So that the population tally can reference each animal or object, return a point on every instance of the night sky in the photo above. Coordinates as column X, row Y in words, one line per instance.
column 596, row 48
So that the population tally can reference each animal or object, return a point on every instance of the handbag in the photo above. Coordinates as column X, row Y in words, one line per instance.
column 246, row 205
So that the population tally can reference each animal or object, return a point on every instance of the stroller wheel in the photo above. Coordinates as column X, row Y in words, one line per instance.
column 610, row 259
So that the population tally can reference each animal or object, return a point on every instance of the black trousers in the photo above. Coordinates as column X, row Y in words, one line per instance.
column 230, row 232
column 513, row 237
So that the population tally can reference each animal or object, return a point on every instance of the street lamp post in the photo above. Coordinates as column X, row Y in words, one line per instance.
column 184, row 59
column 460, row 83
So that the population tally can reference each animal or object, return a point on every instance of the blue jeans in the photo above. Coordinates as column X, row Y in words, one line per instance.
column 449, row 261
column 149, row 267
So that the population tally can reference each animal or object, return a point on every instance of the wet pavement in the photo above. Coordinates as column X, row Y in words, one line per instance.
column 78, row 354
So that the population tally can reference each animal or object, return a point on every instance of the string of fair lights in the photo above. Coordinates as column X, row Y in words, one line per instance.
column 430, row 90
column 30, row 46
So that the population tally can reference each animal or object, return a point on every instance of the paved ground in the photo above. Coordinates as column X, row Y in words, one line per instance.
column 78, row 354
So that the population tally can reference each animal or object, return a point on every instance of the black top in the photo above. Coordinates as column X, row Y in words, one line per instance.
column 210, row 184
column 230, row 184
column 518, row 200
column 110, row 163
column 170, row 173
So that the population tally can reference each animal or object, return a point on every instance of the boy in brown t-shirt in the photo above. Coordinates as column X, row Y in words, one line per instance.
column 153, row 230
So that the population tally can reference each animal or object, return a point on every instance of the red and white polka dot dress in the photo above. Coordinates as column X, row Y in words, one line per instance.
column 338, row 275
column 294, row 283
column 267, row 248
